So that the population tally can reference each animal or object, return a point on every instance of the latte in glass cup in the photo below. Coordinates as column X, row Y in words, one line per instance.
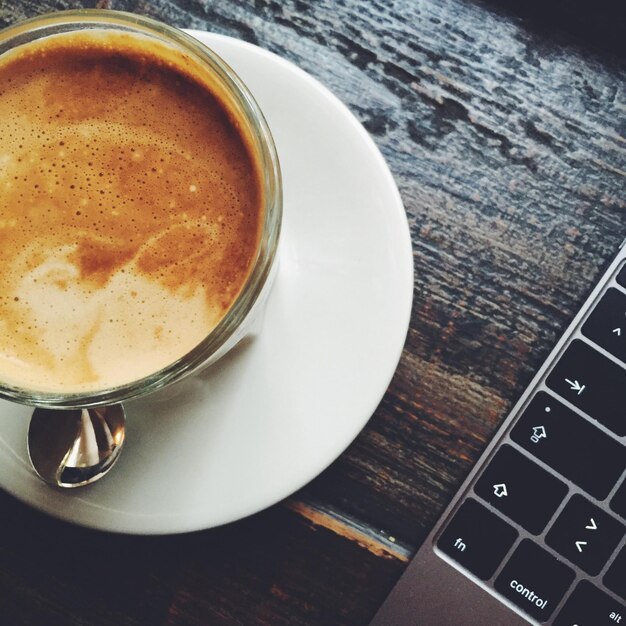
column 139, row 209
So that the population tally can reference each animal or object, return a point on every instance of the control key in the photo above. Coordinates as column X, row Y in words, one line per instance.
column 534, row 580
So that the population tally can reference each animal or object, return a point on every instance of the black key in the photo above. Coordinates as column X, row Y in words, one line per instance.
column 593, row 383
column 621, row 277
column 588, row 606
column 606, row 325
column 615, row 577
column 534, row 580
column 618, row 503
column 520, row 489
column 585, row 535
column 477, row 539
column 571, row 445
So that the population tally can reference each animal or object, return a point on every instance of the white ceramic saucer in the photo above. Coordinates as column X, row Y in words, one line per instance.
column 280, row 408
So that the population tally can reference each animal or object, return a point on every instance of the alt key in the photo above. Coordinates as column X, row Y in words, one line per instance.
column 588, row 606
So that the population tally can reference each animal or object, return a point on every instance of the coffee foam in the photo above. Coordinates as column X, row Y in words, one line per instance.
column 129, row 211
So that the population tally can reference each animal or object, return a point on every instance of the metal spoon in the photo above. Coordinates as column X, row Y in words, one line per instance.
column 72, row 448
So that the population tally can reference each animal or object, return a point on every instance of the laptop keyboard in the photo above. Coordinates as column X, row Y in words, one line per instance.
column 544, row 522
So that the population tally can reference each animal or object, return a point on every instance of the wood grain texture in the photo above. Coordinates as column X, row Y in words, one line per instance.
column 504, row 129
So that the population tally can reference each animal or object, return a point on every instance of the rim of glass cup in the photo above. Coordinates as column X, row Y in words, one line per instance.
column 247, row 109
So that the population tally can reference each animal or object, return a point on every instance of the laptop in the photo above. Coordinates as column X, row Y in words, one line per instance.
column 537, row 533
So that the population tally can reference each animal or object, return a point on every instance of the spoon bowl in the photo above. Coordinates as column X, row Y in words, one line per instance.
column 72, row 448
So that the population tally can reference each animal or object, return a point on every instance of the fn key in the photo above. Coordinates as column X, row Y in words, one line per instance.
column 477, row 539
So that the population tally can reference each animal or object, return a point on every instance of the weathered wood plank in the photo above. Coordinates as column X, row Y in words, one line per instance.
column 54, row 574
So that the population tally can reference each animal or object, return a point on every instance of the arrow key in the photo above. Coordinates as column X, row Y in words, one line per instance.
column 585, row 535
column 606, row 325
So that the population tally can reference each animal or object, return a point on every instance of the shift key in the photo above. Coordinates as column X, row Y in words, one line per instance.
column 520, row 489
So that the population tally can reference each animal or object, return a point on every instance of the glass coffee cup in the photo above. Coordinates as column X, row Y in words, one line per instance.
column 245, row 302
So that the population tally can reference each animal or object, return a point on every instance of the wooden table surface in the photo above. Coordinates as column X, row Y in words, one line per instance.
column 504, row 129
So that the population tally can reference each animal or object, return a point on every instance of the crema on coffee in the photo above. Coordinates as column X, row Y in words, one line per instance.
column 130, row 210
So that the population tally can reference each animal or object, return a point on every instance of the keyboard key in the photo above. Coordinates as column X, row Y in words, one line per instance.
column 588, row 606
column 571, row 445
column 520, row 489
column 621, row 277
column 618, row 503
column 593, row 383
column 477, row 539
column 585, row 535
column 534, row 580
column 615, row 577
column 606, row 325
